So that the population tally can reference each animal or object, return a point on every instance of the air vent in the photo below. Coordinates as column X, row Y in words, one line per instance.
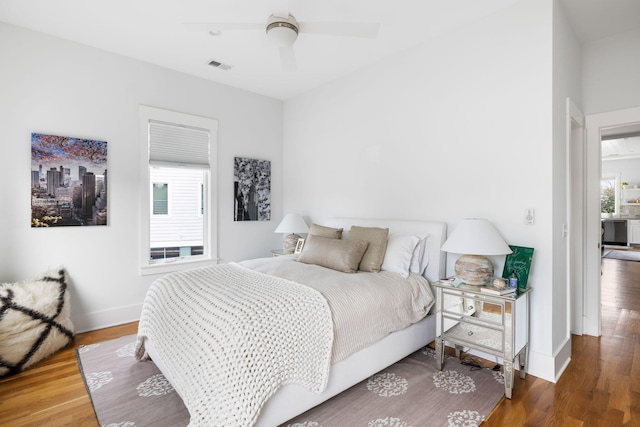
column 219, row 65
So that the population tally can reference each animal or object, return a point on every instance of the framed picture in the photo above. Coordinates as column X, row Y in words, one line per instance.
column 68, row 181
column 299, row 246
column 520, row 262
column 252, row 189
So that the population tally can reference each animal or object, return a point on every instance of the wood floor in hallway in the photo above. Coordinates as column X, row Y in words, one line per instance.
column 601, row 385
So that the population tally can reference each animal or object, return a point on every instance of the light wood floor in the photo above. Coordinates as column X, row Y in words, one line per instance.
column 601, row 386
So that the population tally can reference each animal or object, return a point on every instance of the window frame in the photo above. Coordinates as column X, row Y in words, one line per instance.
column 210, row 255
column 203, row 198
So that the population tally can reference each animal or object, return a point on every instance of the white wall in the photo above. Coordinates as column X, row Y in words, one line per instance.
column 611, row 67
column 629, row 171
column 566, row 83
column 54, row 86
column 463, row 126
column 611, row 97
column 458, row 127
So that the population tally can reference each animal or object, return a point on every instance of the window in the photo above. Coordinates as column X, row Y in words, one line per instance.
column 160, row 198
column 178, row 223
column 609, row 194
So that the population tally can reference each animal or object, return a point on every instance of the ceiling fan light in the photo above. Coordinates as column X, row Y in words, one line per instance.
column 282, row 34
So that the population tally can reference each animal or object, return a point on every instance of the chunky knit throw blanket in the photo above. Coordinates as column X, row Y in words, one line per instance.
column 229, row 337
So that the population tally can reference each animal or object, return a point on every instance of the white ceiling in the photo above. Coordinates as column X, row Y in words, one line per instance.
column 621, row 142
column 153, row 31
column 595, row 19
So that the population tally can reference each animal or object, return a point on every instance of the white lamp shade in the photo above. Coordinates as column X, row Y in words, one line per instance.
column 292, row 223
column 476, row 237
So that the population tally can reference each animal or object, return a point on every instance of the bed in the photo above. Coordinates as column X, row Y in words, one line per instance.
column 343, row 370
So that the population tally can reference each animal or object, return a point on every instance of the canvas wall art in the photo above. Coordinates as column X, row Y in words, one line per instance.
column 68, row 181
column 252, row 189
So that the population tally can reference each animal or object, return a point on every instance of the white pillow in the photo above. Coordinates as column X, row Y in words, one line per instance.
column 420, row 258
column 400, row 249
column 35, row 321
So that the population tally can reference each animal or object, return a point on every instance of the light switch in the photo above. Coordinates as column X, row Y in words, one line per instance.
column 529, row 216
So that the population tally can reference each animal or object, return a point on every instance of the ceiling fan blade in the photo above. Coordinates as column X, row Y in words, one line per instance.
column 348, row 29
column 288, row 59
column 219, row 26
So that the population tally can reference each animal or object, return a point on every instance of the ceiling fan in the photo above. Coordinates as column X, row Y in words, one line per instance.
column 282, row 30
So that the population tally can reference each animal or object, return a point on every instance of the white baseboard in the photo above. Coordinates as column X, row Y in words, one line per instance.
column 562, row 358
column 542, row 366
column 550, row 367
column 104, row 319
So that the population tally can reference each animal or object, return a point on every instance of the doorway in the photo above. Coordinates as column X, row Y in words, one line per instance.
column 597, row 125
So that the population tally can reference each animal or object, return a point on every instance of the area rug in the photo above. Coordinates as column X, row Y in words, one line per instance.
column 623, row 255
column 410, row 393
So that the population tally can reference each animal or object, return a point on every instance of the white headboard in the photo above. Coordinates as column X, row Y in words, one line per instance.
column 436, row 230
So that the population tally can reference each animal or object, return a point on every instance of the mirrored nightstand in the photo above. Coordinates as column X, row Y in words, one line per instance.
column 499, row 326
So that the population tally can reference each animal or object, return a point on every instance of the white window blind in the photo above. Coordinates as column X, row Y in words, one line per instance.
column 178, row 145
column 178, row 150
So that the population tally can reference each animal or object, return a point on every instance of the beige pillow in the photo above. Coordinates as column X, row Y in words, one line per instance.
column 328, row 232
column 336, row 254
column 377, row 238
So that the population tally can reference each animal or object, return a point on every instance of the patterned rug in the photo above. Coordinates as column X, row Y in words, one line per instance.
column 623, row 255
column 410, row 393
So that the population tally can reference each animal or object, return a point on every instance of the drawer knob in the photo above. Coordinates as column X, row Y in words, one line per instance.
column 470, row 333
column 470, row 308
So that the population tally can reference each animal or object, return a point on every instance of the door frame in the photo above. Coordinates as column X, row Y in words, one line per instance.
column 595, row 123
column 576, row 196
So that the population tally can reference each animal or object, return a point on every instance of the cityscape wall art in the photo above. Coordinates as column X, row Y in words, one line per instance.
column 68, row 181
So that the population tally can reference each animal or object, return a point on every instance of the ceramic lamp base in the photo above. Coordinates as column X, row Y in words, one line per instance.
column 474, row 269
column 290, row 242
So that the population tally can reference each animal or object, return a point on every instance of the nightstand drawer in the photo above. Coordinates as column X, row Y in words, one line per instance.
column 483, row 332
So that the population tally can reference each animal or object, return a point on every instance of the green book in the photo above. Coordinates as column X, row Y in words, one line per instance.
column 520, row 262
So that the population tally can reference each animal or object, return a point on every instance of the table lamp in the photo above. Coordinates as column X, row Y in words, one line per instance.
column 291, row 224
column 475, row 238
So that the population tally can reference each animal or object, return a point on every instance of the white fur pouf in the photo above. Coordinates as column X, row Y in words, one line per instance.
column 34, row 321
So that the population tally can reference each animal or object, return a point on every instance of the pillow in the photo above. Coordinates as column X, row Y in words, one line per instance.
column 377, row 238
column 34, row 322
column 420, row 258
column 328, row 232
column 336, row 254
column 399, row 253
